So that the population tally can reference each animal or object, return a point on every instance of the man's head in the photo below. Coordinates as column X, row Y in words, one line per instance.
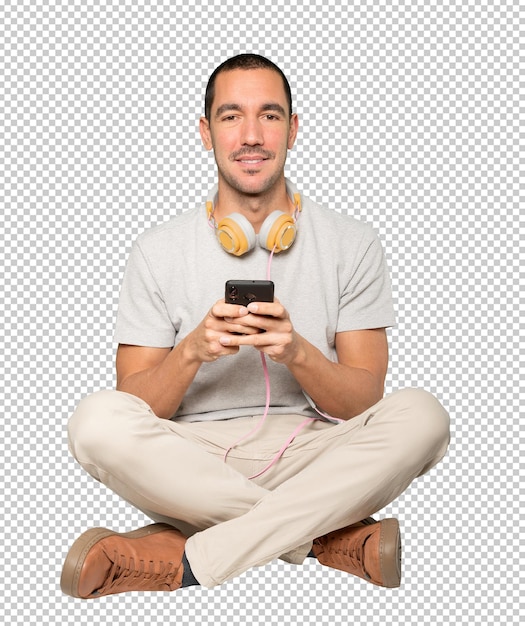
column 244, row 62
column 249, row 126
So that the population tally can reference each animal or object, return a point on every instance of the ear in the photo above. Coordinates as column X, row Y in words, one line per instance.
column 204, row 128
column 294, row 127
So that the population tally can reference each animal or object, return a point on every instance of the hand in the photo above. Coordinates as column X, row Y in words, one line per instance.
column 222, row 320
column 267, row 327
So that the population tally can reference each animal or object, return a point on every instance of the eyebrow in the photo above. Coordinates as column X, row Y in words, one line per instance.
column 269, row 106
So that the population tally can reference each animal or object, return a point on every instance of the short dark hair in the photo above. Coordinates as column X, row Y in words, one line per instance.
column 243, row 62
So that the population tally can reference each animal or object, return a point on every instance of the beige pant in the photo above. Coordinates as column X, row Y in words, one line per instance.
column 329, row 477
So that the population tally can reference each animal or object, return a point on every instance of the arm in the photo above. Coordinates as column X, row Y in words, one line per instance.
column 356, row 382
column 343, row 389
column 161, row 376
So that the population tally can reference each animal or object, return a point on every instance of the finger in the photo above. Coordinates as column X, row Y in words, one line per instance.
column 240, row 329
column 267, row 324
column 216, row 351
column 248, row 325
column 271, row 309
column 258, row 340
column 222, row 310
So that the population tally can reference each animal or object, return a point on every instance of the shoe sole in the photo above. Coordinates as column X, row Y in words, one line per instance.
column 76, row 556
column 390, row 553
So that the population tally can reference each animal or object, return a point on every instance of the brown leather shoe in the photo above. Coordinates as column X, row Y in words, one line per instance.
column 368, row 549
column 102, row 562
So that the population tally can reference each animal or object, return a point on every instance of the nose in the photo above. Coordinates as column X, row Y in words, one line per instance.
column 251, row 134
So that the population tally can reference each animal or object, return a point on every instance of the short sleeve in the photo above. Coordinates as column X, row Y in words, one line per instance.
column 366, row 299
column 142, row 317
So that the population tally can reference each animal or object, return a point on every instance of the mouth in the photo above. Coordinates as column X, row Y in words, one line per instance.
column 254, row 160
column 251, row 158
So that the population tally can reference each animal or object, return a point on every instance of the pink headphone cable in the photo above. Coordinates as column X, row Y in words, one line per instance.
column 268, row 391
column 307, row 421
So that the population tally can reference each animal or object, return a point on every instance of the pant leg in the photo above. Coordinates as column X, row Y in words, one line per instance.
column 153, row 463
column 175, row 473
column 335, row 477
column 150, row 463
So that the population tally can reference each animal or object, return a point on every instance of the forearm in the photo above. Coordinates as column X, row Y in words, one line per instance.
column 343, row 389
column 161, row 376
column 164, row 385
column 339, row 390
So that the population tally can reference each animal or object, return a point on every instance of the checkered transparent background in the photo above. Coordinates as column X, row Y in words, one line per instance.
column 409, row 120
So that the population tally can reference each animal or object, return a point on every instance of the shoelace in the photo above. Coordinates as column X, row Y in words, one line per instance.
column 126, row 575
column 348, row 550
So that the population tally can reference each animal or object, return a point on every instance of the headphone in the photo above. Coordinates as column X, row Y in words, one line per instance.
column 236, row 234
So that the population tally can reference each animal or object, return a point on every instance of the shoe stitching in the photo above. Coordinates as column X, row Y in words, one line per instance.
column 352, row 551
column 128, row 575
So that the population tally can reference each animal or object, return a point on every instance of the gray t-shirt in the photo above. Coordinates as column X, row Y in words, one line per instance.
column 333, row 279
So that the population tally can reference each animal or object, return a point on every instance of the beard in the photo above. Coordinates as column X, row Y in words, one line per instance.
column 250, row 187
column 247, row 183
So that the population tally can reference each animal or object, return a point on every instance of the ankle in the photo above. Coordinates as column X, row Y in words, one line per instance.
column 188, row 577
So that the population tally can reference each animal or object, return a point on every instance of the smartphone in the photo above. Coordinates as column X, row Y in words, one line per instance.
column 245, row 291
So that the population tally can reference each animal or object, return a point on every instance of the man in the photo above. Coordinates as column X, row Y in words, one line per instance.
column 182, row 438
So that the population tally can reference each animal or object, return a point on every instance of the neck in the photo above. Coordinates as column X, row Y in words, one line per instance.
column 255, row 207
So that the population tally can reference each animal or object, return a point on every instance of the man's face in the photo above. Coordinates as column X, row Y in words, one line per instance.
column 250, row 130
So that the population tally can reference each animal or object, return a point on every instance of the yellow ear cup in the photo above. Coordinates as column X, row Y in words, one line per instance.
column 278, row 231
column 235, row 234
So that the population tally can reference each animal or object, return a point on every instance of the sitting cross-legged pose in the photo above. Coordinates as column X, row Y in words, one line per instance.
column 251, row 425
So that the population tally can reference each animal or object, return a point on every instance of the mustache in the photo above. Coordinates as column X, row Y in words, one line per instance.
column 247, row 152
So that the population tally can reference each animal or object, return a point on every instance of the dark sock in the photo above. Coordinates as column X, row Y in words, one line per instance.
column 188, row 579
